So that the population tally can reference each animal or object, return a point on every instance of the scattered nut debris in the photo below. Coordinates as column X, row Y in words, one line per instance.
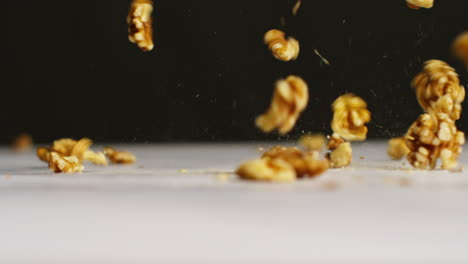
column 282, row 48
column 460, row 47
column 22, row 142
column 267, row 169
column 341, row 156
column 397, row 148
column 312, row 142
column 416, row 4
column 296, row 7
column 59, row 163
column 139, row 22
column 350, row 115
column 121, row 157
column 289, row 100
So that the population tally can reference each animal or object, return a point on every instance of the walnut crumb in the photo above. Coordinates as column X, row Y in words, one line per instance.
column 121, row 157
column 350, row 115
column 282, row 48
column 397, row 148
column 139, row 22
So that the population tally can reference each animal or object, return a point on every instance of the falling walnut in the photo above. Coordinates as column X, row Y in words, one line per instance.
column 397, row 148
column 119, row 157
column 350, row 115
column 282, row 48
column 289, row 100
column 139, row 22
column 417, row 4
column 460, row 47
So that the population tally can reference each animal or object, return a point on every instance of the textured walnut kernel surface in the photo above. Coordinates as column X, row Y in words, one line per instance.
column 416, row 4
column 312, row 142
column 119, row 157
column 438, row 86
column 397, row 148
column 267, row 169
column 341, row 156
column 59, row 163
column 305, row 163
column 290, row 98
column 22, row 142
column 460, row 47
column 139, row 22
column 350, row 115
column 282, row 48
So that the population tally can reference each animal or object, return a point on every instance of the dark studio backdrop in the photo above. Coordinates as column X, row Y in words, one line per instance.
column 71, row 71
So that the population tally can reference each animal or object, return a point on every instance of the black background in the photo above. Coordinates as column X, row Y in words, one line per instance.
column 72, row 72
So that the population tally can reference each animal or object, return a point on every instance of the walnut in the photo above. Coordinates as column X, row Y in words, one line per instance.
column 289, row 100
column 437, row 80
column 59, row 163
column 304, row 162
column 22, row 142
column 139, row 22
column 397, row 148
column 312, row 142
column 282, row 48
column 460, row 47
column 267, row 169
column 341, row 156
column 350, row 115
column 334, row 141
column 116, row 156
column 416, row 4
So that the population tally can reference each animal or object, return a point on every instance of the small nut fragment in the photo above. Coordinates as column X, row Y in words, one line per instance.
column 438, row 89
column 304, row 162
column 22, row 142
column 282, row 48
column 267, row 169
column 139, row 22
column 397, row 148
column 350, row 115
column 416, row 4
column 312, row 142
column 341, row 156
column 120, row 157
column 460, row 47
column 59, row 163
column 289, row 100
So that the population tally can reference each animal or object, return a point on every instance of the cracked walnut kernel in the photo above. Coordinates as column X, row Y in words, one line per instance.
column 289, row 100
column 282, row 48
column 306, row 163
column 350, row 115
column 59, row 163
column 397, row 148
column 120, row 157
column 267, row 169
column 139, row 22
column 416, row 4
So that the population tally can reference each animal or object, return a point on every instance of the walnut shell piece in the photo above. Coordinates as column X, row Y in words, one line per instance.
column 282, row 48
column 350, row 115
column 267, row 169
column 140, row 28
column 397, row 148
column 119, row 157
column 290, row 98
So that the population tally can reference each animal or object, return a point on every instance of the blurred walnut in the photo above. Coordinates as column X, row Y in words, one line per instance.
column 350, row 115
column 267, row 169
column 22, row 142
column 139, row 22
column 289, row 100
column 304, row 162
column 437, row 80
column 312, row 142
column 460, row 47
column 397, row 148
column 59, row 163
column 341, row 156
column 116, row 156
column 282, row 48
column 416, row 4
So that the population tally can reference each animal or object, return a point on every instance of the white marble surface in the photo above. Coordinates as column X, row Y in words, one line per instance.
column 377, row 211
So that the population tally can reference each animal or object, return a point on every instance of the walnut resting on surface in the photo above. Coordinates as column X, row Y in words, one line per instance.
column 397, row 148
column 119, row 157
column 416, row 4
column 59, row 163
column 267, row 169
column 139, row 22
column 350, row 115
column 282, row 48
column 290, row 98
column 460, row 47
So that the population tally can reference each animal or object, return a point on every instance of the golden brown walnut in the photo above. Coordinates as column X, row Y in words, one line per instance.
column 22, row 142
column 139, row 22
column 306, row 163
column 350, row 115
column 267, row 169
column 341, row 156
column 334, row 141
column 282, row 48
column 460, row 47
column 438, row 86
column 312, row 142
column 59, row 163
column 120, row 157
column 416, row 4
column 289, row 100
column 397, row 148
